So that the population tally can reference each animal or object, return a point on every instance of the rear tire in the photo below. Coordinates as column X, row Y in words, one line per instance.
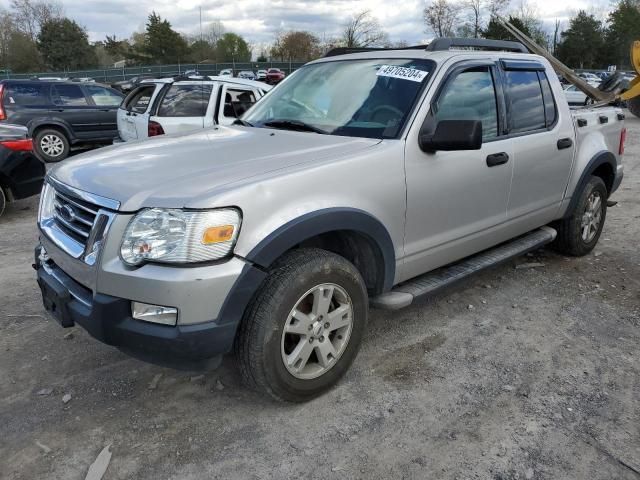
column 578, row 233
column 320, row 299
column 51, row 145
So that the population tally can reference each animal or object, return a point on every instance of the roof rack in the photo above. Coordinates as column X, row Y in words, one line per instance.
column 346, row 50
column 441, row 44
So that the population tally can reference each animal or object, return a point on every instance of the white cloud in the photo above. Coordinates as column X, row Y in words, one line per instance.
column 259, row 20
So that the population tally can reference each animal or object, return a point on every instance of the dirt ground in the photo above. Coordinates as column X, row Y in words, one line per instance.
column 518, row 373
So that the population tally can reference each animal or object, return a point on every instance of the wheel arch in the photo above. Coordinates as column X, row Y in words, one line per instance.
column 603, row 165
column 352, row 233
column 37, row 125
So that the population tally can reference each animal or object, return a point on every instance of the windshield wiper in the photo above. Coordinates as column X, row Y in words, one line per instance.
column 294, row 125
column 244, row 123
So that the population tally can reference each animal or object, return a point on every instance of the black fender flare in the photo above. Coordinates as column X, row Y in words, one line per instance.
column 43, row 122
column 322, row 221
column 599, row 159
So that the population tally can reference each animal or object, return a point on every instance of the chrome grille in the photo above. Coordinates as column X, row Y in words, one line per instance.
column 74, row 216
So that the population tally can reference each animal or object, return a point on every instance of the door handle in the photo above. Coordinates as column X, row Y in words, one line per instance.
column 565, row 143
column 497, row 159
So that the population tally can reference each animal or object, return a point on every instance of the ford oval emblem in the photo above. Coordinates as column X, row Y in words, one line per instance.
column 68, row 213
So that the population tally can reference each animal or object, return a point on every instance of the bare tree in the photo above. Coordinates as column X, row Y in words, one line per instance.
column 30, row 15
column 556, row 34
column 214, row 31
column 496, row 7
column 363, row 30
column 476, row 7
column 441, row 16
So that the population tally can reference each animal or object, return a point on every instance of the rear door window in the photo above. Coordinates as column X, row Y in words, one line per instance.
column 189, row 100
column 526, row 103
column 237, row 101
column 68, row 95
column 103, row 97
column 138, row 101
column 26, row 94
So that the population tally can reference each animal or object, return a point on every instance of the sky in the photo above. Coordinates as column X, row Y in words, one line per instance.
column 260, row 20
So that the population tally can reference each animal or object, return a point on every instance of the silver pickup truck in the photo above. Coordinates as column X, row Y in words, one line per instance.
column 365, row 178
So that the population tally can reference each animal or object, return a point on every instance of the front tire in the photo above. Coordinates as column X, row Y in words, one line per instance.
column 303, row 329
column 51, row 145
column 578, row 234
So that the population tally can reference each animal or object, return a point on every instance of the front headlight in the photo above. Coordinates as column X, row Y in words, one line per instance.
column 180, row 236
column 47, row 203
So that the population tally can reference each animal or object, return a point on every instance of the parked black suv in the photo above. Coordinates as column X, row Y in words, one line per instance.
column 21, row 173
column 59, row 114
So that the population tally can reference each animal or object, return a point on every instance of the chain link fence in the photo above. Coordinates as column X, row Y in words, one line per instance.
column 109, row 75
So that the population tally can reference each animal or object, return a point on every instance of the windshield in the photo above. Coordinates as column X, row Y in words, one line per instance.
column 356, row 98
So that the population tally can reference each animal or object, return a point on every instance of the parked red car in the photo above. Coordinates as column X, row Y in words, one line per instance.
column 274, row 75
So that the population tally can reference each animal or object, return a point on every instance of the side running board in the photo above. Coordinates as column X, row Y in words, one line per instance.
column 402, row 295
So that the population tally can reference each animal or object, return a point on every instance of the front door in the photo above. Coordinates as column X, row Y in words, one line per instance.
column 457, row 199
column 106, row 102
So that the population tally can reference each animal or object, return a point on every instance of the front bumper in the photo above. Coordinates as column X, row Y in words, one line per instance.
column 108, row 318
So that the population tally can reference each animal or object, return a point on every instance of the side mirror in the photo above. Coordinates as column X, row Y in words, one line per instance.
column 453, row 135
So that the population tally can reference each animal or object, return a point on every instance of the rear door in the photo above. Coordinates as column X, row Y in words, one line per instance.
column 543, row 142
column 183, row 107
column 106, row 101
column 72, row 106
column 235, row 100
column 133, row 114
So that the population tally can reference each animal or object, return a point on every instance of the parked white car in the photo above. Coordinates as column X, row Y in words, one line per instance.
column 162, row 106
column 591, row 78
column 261, row 75
column 574, row 96
column 247, row 74
column 227, row 72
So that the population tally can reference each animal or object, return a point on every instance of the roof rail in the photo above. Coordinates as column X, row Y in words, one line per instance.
column 347, row 50
column 440, row 44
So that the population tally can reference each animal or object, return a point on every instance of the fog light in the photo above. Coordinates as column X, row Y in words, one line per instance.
column 154, row 313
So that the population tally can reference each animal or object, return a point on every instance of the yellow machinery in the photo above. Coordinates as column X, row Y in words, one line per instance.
column 601, row 97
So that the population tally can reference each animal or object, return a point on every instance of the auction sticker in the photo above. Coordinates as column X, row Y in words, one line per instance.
column 401, row 72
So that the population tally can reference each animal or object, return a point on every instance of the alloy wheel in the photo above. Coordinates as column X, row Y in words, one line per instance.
column 317, row 331
column 592, row 217
column 52, row 145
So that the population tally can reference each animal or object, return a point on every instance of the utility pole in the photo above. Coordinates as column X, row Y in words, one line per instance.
column 201, row 43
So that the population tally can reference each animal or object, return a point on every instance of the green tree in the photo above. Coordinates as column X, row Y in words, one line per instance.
column 296, row 46
column 496, row 31
column 624, row 28
column 262, row 58
column 23, row 56
column 233, row 48
column 64, row 44
column 582, row 43
column 162, row 44
column 202, row 51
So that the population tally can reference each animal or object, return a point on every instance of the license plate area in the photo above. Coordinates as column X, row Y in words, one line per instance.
column 55, row 299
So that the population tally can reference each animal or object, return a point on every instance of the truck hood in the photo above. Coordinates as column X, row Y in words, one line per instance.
column 175, row 171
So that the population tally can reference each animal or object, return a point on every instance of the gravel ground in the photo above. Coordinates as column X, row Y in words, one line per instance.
column 530, row 373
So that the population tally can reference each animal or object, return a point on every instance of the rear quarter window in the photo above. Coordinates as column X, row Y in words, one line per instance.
column 26, row 94
column 185, row 101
